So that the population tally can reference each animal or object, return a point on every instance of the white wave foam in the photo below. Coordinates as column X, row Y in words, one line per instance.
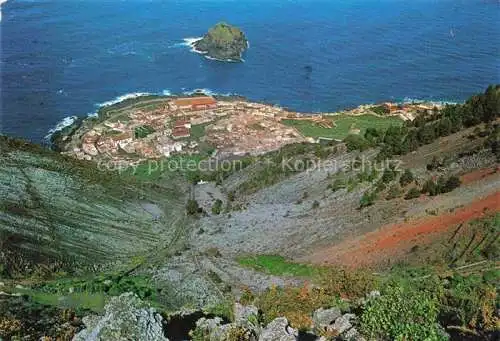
column 1, row 3
column 123, row 98
column 200, row 91
column 420, row 100
column 225, row 60
column 189, row 42
column 207, row 92
column 65, row 122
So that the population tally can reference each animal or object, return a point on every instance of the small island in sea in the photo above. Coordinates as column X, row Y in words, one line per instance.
column 223, row 42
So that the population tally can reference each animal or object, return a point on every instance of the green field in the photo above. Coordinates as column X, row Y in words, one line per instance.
column 278, row 266
column 143, row 131
column 343, row 125
column 198, row 130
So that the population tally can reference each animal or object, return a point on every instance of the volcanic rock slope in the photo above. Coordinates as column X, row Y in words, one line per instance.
column 299, row 214
column 54, row 208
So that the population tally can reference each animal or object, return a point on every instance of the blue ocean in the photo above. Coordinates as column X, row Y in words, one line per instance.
column 66, row 57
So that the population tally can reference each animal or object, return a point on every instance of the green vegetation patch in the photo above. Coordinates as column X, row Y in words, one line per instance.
column 89, row 293
column 278, row 266
column 143, row 131
column 417, row 303
column 80, row 301
column 403, row 313
column 344, row 125
column 198, row 130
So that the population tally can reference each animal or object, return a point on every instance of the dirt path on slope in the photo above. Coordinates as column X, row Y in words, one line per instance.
column 391, row 241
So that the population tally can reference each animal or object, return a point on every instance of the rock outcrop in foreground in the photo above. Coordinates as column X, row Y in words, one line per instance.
column 328, row 324
column 223, row 42
column 126, row 317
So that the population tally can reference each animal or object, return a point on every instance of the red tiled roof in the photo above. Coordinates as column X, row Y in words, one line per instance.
column 180, row 123
column 180, row 131
column 204, row 100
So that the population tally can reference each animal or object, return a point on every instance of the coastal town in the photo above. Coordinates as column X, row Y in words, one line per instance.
column 206, row 126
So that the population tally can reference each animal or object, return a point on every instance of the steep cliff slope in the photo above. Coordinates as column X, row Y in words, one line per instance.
column 59, row 211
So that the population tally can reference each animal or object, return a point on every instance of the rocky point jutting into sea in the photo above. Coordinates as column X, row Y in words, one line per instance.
column 154, row 127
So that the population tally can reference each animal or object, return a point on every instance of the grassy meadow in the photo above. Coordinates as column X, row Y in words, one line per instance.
column 344, row 124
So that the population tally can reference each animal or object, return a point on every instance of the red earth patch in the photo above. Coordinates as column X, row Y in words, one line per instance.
column 391, row 241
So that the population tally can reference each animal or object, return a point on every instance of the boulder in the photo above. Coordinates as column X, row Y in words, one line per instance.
column 342, row 323
column 245, row 315
column 353, row 335
column 373, row 294
column 324, row 318
column 209, row 328
column 126, row 317
column 279, row 330
column 213, row 330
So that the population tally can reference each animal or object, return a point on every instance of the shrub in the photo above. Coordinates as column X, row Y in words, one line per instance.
column 315, row 204
column 367, row 199
column 217, row 207
column 388, row 175
column 430, row 187
column 384, row 154
column 470, row 302
column 381, row 186
column 402, row 314
column 350, row 283
column 9, row 327
column 406, row 178
column 434, row 164
column 413, row 193
column 452, row 183
column 223, row 309
column 443, row 185
column 296, row 304
column 356, row 142
column 393, row 192
column 192, row 207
